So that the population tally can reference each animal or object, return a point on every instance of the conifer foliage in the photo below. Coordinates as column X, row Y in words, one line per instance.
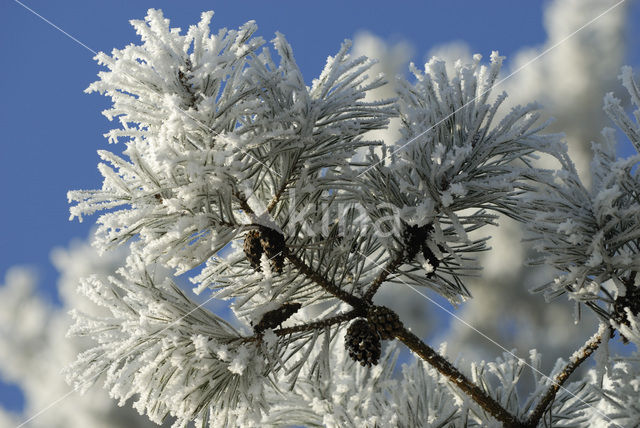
column 271, row 195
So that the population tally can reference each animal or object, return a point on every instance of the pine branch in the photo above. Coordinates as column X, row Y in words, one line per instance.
column 579, row 357
column 460, row 380
column 244, row 204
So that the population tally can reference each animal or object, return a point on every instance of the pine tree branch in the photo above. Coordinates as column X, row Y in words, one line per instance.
column 244, row 204
column 384, row 274
column 578, row 358
column 460, row 380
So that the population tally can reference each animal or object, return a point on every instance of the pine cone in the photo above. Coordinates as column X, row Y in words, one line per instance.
column 385, row 321
column 276, row 317
column 253, row 248
column 630, row 300
column 274, row 247
column 363, row 342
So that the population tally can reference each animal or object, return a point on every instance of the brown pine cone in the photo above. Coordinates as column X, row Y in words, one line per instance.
column 276, row 317
column 363, row 343
column 274, row 247
column 385, row 321
column 253, row 248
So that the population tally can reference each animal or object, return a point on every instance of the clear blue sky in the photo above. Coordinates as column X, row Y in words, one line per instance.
column 51, row 129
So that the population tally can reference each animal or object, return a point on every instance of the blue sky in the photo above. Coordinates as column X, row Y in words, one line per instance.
column 51, row 129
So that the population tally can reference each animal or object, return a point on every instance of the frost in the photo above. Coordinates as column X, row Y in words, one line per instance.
column 428, row 268
column 240, row 361
column 567, row 227
column 438, row 153
column 596, row 259
column 200, row 344
column 446, row 198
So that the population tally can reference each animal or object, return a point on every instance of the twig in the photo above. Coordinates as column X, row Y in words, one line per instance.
column 276, row 197
column 336, row 319
column 460, row 380
column 384, row 274
column 244, row 204
column 327, row 285
column 579, row 357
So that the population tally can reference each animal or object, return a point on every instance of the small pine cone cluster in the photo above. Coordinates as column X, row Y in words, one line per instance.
column 268, row 241
column 415, row 240
column 274, row 247
column 253, row 248
column 276, row 317
column 385, row 321
column 630, row 300
column 362, row 341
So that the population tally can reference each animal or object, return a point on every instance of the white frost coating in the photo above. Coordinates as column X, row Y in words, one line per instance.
column 189, row 145
column 200, row 345
column 602, row 355
column 446, row 198
column 240, row 361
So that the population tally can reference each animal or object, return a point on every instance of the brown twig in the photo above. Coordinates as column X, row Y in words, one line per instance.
column 308, row 271
column 460, row 380
column 384, row 274
column 336, row 319
column 327, row 285
column 244, row 204
column 272, row 204
column 276, row 197
column 414, row 343
column 583, row 353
